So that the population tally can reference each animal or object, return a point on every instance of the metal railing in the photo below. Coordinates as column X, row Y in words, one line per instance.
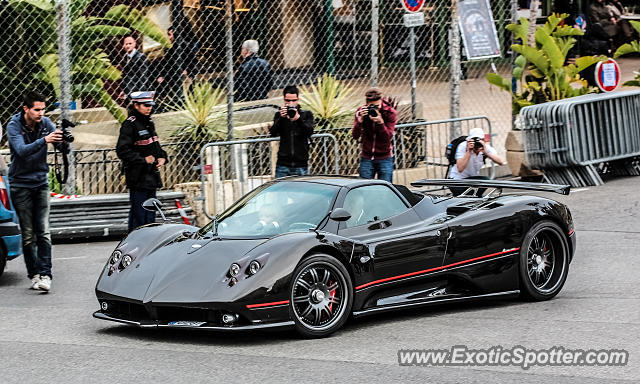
column 576, row 140
column 230, row 169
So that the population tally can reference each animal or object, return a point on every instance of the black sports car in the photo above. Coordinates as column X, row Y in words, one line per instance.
column 308, row 252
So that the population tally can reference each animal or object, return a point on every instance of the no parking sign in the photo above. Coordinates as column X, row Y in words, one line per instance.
column 412, row 5
column 607, row 75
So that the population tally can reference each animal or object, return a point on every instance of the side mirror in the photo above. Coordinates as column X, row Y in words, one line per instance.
column 154, row 204
column 340, row 214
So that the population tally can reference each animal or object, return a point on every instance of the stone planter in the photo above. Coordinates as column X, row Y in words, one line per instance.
column 516, row 157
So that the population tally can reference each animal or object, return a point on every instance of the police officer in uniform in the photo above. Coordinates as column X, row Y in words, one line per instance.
column 142, row 156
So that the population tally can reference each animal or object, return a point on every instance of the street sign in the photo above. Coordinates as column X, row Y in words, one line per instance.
column 478, row 29
column 413, row 19
column 607, row 75
column 412, row 5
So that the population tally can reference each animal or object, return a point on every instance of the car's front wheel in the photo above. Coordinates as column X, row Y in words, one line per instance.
column 544, row 261
column 321, row 296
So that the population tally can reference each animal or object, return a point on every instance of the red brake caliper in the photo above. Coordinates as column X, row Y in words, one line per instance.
column 333, row 293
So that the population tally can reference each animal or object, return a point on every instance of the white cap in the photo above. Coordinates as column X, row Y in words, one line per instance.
column 476, row 132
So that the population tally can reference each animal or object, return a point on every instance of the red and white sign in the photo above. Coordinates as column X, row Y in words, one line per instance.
column 607, row 75
column 412, row 5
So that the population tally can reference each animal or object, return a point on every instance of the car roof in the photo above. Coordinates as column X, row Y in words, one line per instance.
column 339, row 181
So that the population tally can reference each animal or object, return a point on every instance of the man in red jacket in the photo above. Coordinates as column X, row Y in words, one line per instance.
column 374, row 125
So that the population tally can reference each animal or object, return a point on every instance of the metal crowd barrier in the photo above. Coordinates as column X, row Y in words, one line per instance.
column 232, row 168
column 576, row 140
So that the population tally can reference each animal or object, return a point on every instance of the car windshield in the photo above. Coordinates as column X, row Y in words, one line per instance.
column 274, row 209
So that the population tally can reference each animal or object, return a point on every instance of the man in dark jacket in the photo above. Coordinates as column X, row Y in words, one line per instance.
column 376, row 135
column 135, row 68
column 175, row 64
column 29, row 132
column 295, row 127
column 142, row 156
column 253, row 79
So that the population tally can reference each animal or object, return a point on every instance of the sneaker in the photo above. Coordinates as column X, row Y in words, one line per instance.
column 35, row 280
column 45, row 283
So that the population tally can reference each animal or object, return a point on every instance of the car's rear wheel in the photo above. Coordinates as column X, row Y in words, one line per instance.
column 321, row 296
column 544, row 261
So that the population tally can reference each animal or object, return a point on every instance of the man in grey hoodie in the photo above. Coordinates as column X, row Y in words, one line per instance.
column 29, row 132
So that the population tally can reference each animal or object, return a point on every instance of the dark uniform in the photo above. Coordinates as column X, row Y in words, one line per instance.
column 138, row 139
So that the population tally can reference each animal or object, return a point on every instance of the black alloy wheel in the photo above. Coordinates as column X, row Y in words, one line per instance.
column 544, row 261
column 321, row 296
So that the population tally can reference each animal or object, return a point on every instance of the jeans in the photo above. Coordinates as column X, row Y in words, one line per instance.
column 32, row 208
column 282, row 171
column 383, row 168
column 137, row 215
column 458, row 190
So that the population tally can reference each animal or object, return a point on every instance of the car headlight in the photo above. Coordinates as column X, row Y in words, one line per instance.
column 254, row 267
column 234, row 269
column 115, row 257
column 126, row 261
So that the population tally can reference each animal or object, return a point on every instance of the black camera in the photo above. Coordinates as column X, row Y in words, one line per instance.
column 372, row 110
column 477, row 144
column 66, row 135
column 291, row 111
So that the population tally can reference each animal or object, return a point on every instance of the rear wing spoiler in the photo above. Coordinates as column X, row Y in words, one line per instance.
column 498, row 184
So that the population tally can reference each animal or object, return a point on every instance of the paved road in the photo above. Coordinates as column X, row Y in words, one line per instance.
column 53, row 338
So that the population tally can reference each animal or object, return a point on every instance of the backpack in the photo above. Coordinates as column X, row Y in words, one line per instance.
column 450, row 152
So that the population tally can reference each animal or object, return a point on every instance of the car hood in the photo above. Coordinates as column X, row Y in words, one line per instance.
column 183, row 270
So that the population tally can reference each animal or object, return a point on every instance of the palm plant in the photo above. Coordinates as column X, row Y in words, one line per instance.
column 633, row 47
column 204, row 117
column 330, row 101
column 90, row 66
column 548, row 77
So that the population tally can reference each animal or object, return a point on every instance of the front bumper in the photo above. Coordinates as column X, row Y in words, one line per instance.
column 206, row 326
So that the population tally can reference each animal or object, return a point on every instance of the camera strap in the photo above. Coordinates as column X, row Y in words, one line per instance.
column 61, row 175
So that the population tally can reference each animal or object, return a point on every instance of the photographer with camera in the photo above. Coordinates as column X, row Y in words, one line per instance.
column 28, row 133
column 142, row 157
column 374, row 125
column 295, row 127
column 470, row 156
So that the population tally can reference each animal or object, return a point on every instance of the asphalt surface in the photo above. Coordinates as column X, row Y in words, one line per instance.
column 53, row 338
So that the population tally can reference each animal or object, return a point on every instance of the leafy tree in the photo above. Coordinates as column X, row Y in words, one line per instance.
column 35, row 28
column 547, row 78
column 625, row 49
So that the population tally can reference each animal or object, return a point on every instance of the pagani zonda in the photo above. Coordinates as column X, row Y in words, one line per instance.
column 308, row 252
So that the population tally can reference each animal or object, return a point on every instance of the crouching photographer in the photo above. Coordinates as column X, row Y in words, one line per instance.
column 470, row 158
column 374, row 125
column 29, row 132
column 295, row 127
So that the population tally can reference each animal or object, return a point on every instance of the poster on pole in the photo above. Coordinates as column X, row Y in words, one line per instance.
column 478, row 29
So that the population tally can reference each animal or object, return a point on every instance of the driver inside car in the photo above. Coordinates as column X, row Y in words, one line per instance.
column 267, row 220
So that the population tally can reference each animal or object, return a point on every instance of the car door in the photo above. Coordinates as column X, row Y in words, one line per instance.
column 401, row 247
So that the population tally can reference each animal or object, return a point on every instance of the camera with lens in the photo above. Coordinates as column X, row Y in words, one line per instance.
column 291, row 111
column 477, row 144
column 372, row 110
column 66, row 135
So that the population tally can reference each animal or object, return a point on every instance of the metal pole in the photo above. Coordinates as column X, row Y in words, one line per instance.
column 330, row 37
column 64, row 73
column 514, row 55
column 454, row 52
column 412, row 58
column 375, row 20
column 228, row 18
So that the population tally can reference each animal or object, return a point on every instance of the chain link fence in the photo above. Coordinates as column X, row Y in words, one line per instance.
column 190, row 43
